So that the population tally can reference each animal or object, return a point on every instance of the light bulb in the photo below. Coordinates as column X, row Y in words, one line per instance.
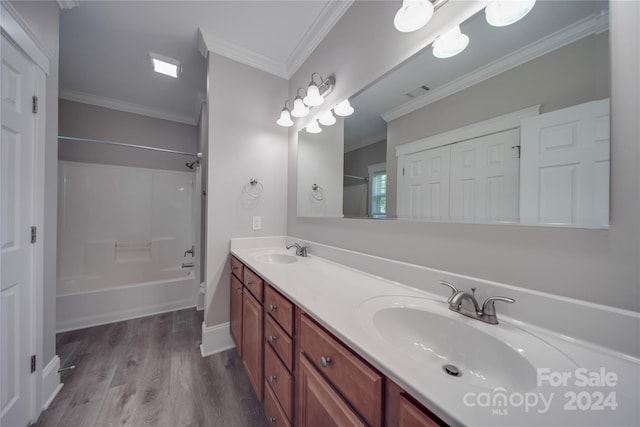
column 285, row 118
column 343, row 109
column 327, row 119
column 313, row 127
column 501, row 13
column 450, row 43
column 299, row 109
column 413, row 15
column 313, row 98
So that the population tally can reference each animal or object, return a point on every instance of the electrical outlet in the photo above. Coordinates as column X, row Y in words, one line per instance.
column 257, row 222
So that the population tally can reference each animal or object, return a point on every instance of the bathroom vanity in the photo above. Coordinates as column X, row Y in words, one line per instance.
column 326, row 344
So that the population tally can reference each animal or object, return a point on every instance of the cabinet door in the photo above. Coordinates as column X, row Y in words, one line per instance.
column 252, row 341
column 411, row 416
column 318, row 404
column 236, row 313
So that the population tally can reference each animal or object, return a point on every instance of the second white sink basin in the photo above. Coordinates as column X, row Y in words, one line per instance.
column 486, row 356
column 277, row 258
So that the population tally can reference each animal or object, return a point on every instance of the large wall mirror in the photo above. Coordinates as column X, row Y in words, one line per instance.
column 514, row 129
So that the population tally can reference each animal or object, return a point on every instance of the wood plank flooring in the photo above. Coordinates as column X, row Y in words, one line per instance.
column 149, row 372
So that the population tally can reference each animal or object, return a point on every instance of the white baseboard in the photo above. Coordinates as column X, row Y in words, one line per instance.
column 93, row 308
column 215, row 339
column 51, row 384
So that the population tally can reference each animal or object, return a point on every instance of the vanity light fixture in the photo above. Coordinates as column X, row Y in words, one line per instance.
column 313, row 127
column 165, row 65
column 413, row 15
column 501, row 13
column 327, row 118
column 450, row 43
column 299, row 109
column 343, row 109
column 285, row 117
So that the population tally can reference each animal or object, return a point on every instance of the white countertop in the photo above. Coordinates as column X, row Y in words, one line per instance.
column 332, row 293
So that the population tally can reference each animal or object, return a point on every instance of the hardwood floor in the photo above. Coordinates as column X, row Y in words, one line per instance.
column 149, row 372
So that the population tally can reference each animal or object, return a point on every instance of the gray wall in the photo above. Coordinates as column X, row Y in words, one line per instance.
column 42, row 17
column 593, row 265
column 244, row 142
column 88, row 121
column 357, row 162
column 571, row 75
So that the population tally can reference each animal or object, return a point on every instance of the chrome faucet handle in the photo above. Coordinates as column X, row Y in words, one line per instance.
column 488, row 307
column 454, row 290
column 304, row 251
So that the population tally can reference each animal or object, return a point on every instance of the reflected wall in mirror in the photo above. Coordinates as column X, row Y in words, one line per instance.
column 515, row 129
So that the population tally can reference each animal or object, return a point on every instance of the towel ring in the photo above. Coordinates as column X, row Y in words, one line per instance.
column 253, row 188
column 317, row 192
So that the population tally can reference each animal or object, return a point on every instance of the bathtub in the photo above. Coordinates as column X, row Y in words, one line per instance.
column 95, row 300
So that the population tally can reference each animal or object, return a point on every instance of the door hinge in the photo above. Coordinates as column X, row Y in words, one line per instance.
column 516, row 147
column 34, row 105
column 33, row 363
column 402, row 171
column 34, row 234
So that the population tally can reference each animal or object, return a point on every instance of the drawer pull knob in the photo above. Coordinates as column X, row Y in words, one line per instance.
column 239, row 289
column 272, row 420
column 273, row 307
column 249, row 282
column 234, row 268
column 272, row 378
column 272, row 338
column 324, row 361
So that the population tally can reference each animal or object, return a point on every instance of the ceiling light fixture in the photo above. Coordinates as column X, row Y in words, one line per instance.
column 313, row 127
column 450, row 43
column 327, row 118
column 285, row 117
column 501, row 13
column 165, row 65
column 343, row 109
column 299, row 109
column 413, row 15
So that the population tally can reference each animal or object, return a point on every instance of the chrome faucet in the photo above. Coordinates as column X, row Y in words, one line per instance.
column 300, row 250
column 190, row 251
column 187, row 265
column 485, row 314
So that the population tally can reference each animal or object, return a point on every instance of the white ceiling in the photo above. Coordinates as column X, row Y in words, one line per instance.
column 104, row 47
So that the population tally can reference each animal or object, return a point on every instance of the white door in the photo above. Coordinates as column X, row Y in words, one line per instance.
column 424, row 184
column 17, row 164
column 565, row 166
column 484, row 178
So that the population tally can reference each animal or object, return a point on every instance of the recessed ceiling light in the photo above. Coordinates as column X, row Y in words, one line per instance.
column 165, row 65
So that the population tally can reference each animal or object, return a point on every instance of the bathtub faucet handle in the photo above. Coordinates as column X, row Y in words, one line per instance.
column 190, row 251
column 187, row 265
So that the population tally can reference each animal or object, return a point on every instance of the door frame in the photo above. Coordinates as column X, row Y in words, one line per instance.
column 16, row 30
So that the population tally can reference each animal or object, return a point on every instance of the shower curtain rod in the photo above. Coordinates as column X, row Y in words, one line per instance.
column 122, row 144
column 363, row 178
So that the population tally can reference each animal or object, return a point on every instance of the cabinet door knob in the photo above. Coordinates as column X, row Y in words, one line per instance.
column 249, row 282
column 239, row 289
column 273, row 307
column 324, row 361
column 234, row 268
column 272, row 378
column 272, row 420
column 272, row 338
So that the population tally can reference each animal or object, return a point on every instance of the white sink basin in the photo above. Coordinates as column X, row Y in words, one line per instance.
column 276, row 258
column 487, row 356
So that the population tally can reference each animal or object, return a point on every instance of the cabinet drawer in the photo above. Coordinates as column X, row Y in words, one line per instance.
column 236, row 267
column 279, row 379
column 274, row 413
column 360, row 384
column 279, row 341
column 280, row 309
column 253, row 283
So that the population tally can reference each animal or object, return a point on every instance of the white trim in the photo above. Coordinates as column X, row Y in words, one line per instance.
column 68, row 4
column 51, row 384
column 17, row 30
column 378, row 167
column 594, row 24
column 215, row 339
column 329, row 16
column 474, row 130
column 370, row 140
column 127, row 107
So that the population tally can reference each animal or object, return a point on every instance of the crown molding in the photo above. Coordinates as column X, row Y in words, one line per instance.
column 370, row 140
column 594, row 24
column 68, row 4
column 127, row 107
column 329, row 16
column 16, row 28
column 331, row 13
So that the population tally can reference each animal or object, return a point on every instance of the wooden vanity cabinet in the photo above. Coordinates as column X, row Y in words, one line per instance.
column 401, row 410
column 235, row 321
